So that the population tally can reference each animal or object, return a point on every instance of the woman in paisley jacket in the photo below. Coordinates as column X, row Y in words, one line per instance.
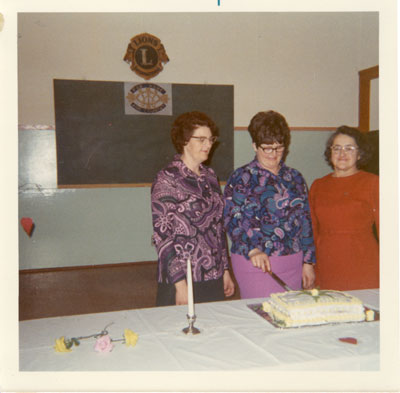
column 267, row 215
column 187, row 212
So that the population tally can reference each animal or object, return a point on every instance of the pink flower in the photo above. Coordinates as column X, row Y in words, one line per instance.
column 104, row 344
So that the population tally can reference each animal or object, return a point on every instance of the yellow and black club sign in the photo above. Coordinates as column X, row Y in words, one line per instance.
column 146, row 54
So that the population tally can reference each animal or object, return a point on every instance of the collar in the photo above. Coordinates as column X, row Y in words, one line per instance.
column 255, row 164
column 177, row 161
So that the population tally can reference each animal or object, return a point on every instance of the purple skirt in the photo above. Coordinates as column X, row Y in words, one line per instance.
column 253, row 282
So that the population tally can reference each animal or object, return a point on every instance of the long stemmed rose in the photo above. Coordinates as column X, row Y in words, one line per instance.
column 104, row 343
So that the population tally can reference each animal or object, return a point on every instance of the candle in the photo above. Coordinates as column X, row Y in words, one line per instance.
column 190, row 289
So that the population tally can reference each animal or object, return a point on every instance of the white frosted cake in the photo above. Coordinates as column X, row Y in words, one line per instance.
column 313, row 307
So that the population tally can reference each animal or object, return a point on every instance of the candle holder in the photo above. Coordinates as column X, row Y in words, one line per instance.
column 191, row 329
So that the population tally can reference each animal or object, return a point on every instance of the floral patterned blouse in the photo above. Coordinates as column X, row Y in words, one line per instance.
column 187, row 212
column 269, row 212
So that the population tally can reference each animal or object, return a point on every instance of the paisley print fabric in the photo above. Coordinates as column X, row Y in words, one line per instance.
column 188, row 223
column 269, row 212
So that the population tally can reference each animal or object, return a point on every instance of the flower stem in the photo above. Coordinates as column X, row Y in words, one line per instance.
column 96, row 335
column 118, row 339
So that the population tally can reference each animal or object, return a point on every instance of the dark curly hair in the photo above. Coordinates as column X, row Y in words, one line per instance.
column 270, row 127
column 185, row 125
column 364, row 147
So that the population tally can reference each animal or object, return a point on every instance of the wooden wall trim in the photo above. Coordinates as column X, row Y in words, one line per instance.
column 369, row 73
column 81, row 267
column 124, row 185
column 365, row 77
column 302, row 128
column 27, row 127
column 127, row 185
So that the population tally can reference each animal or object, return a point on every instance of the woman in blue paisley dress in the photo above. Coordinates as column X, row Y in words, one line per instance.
column 267, row 215
column 187, row 210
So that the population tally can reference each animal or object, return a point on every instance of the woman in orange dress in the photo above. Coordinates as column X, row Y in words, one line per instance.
column 344, row 207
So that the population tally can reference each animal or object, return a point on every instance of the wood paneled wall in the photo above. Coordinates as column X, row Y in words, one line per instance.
column 87, row 289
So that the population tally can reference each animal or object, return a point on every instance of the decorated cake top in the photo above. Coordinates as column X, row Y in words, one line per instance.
column 309, row 298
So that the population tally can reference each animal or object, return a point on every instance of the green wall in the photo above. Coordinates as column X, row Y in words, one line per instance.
column 75, row 227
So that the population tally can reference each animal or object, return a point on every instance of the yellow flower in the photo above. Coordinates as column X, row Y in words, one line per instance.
column 130, row 337
column 369, row 315
column 314, row 292
column 266, row 306
column 60, row 345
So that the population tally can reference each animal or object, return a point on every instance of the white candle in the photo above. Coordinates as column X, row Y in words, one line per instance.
column 190, row 289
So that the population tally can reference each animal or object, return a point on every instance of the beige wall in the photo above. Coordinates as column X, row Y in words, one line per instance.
column 304, row 65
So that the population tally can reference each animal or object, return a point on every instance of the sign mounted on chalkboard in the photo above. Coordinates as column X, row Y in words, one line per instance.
column 148, row 98
column 99, row 145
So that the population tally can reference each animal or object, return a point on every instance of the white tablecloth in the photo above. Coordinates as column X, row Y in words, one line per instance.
column 233, row 337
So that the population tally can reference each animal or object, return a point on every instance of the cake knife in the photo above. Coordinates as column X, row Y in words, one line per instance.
column 279, row 281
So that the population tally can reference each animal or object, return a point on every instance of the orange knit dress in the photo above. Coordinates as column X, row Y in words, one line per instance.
column 343, row 211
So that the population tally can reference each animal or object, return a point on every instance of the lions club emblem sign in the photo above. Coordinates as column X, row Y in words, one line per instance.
column 148, row 98
column 146, row 54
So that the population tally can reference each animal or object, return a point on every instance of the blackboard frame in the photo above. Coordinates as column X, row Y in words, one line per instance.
column 98, row 145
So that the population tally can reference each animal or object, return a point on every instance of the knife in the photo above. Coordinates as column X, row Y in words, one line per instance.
column 279, row 281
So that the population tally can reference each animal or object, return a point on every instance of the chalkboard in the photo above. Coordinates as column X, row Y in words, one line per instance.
column 98, row 144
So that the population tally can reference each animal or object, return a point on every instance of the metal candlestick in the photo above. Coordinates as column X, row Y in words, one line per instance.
column 191, row 329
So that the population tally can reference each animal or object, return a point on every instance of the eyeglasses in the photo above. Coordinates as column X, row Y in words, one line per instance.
column 270, row 149
column 202, row 139
column 336, row 149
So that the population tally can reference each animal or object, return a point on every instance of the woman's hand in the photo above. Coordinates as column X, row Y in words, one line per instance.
column 181, row 292
column 260, row 260
column 229, row 286
column 308, row 276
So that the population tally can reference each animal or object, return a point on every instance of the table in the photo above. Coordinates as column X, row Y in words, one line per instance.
column 233, row 337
